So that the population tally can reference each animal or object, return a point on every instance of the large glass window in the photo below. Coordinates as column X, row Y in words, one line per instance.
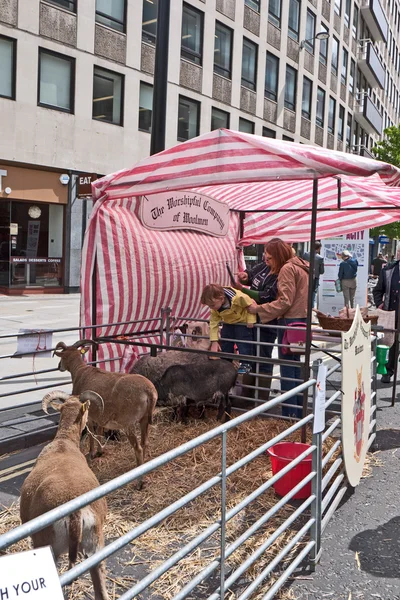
column 249, row 64
column 223, row 50
column 267, row 132
column 246, row 126
column 335, row 56
column 294, row 19
column 56, row 81
column 307, row 98
column 323, row 47
column 145, row 106
column 341, row 123
column 188, row 118
column 347, row 10
column 345, row 60
column 111, row 13
column 68, row 4
column 348, row 129
column 271, row 76
column 7, row 67
column 108, row 91
column 192, row 34
column 290, row 88
column 274, row 12
column 320, row 118
column 338, row 7
column 331, row 115
column 351, row 76
column 354, row 29
column 219, row 119
column 310, row 31
column 254, row 4
column 149, row 21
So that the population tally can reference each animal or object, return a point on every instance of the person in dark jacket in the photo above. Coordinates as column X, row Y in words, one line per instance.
column 319, row 268
column 348, row 277
column 386, row 296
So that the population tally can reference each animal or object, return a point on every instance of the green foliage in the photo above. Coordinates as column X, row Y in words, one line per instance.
column 392, row 230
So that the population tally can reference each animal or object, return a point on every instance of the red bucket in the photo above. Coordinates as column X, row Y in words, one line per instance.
column 281, row 455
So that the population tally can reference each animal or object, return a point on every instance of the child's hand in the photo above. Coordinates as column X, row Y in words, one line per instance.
column 250, row 325
column 253, row 308
column 215, row 347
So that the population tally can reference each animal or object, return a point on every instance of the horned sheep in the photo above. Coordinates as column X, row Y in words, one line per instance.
column 61, row 474
column 128, row 399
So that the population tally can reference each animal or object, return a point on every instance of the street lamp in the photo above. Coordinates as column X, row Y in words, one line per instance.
column 321, row 35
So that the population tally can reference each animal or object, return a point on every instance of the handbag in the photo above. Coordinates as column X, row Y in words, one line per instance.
column 294, row 340
column 338, row 285
column 387, row 318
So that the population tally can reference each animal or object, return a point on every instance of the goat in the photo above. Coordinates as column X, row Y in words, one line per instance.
column 128, row 399
column 60, row 474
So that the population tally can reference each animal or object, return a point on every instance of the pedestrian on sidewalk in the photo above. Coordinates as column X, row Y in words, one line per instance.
column 386, row 296
column 319, row 268
column 348, row 277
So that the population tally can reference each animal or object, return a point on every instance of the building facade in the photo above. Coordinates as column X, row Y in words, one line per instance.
column 76, row 87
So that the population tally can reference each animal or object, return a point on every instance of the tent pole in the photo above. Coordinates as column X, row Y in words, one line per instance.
column 94, row 307
column 396, row 358
column 160, row 84
column 310, row 300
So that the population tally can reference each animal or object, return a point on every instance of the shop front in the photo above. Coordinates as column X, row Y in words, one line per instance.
column 32, row 218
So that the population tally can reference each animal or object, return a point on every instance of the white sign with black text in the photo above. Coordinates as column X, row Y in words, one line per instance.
column 184, row 210
column 320, row 398
column 31, row 575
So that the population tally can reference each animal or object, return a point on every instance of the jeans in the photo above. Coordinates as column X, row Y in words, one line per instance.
column 293, row 372
column 266, row 335
column 238, row 334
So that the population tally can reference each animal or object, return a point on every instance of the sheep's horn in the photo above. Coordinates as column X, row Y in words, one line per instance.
column 56, row 395
column 59, row 349
column 84, row 343
column 92, row 397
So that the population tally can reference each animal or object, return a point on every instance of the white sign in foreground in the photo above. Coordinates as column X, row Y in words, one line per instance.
column 356, row 402
column 38, row 341
column 30, row 575
column 184, row 210
column 320, row 399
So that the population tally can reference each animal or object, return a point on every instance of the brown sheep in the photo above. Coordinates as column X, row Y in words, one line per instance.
column 61, row 474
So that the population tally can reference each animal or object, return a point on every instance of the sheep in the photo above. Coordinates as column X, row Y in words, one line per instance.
column 128, row 399
column 60, row 474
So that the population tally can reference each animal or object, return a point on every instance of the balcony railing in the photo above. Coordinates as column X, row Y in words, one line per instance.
column 370, row 64
column 375, row 17
column 367, row 115
column 362, row 150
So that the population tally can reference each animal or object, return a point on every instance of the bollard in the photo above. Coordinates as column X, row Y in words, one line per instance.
column 382, row 357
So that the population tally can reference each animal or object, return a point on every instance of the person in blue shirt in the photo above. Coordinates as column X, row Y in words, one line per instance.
column 348, row 277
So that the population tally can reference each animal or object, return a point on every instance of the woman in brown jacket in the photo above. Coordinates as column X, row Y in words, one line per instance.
column 290, row 306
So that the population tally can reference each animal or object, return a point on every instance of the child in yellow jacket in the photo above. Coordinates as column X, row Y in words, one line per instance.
column 230, row 306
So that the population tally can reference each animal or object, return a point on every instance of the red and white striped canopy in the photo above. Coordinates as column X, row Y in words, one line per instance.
column 140, row 271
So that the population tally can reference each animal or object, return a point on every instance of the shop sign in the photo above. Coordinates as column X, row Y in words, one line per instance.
column 34, row 260
column 383, row 239
column 13, row 228
column 84, row 184
column 185, row 210
column 356, row 402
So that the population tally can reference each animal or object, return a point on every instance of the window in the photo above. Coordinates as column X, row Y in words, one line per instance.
column 274, row 12
column 323, row 47
column 67, row 4
column 338, row 7
column 223, row 50
column 307, row 98
column 56, row 81
column 145, row 106
column 192, row 34
column 246, row 126
column 254, row 4
column 219, row 118
column 271, row 77
column 335, row 53
column 294, row 19
column 107, row 96
column 352, row 75
column 149, row 21
column 310, row 31
column 111, row 13
column 340, row 123
column 7, row 67
column 320, row 107
column 249, row 64
column 188, row 119
column 267, row 132
column 345, row 60
column 354, row 29
column 347, row 10
column 286, row 138
column 290, row 88
column 348, row 129
column 331, row 115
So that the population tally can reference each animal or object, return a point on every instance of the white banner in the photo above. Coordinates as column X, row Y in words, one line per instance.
column 184, row 210
column 356, row 402
column 329, row 300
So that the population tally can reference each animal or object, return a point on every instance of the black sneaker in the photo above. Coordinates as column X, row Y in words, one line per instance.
column 386, row 378
column 244, row 368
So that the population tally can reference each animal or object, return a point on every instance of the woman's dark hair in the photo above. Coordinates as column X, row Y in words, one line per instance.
column 280, row 251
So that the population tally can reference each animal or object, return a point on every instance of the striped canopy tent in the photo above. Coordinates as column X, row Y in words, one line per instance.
column 130, row 272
